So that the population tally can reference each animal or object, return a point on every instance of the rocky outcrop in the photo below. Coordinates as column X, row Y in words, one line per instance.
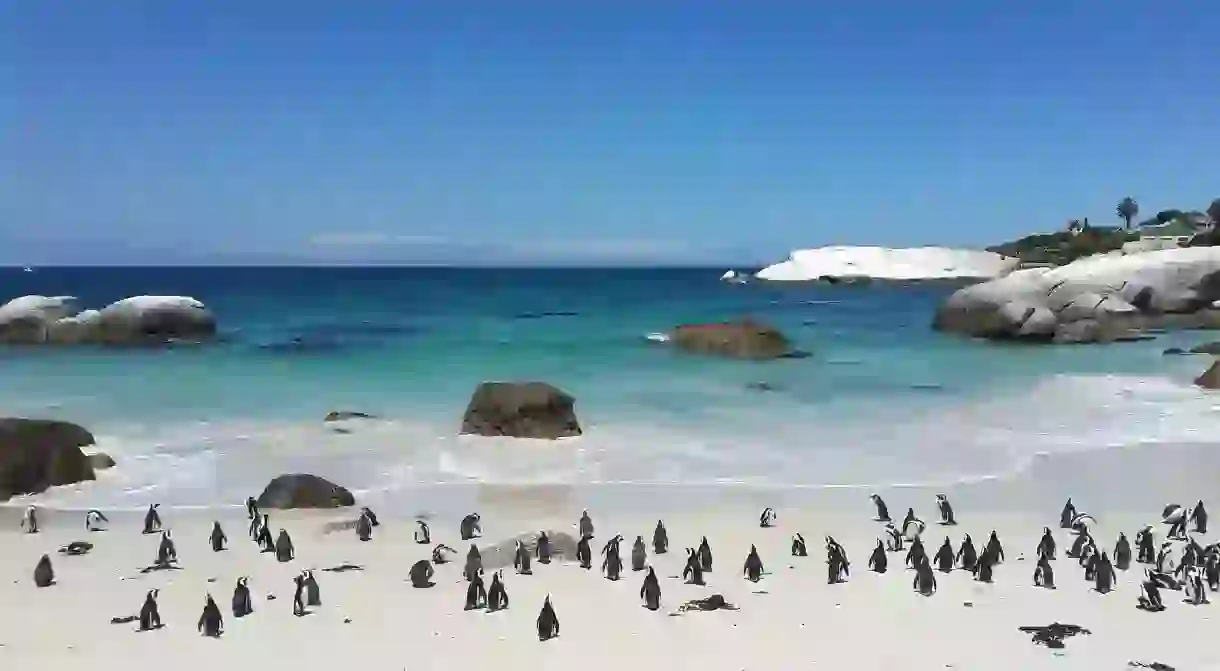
column 1099, row 299
column 1210, row 379
column 738, row 340
column 882, row 263
column 521, row 410
column 301, row 490
column 139, row 320
column 101, row 461
column 36, row 454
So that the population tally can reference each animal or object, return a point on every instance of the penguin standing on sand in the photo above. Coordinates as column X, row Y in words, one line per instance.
column 1079, row 545
column 150, row 615
column 548, row 622
column 878, row 562
column 44, row 574
column 474, row 563
column 910, row 517
column 251, row 508
column 767, row 519
column 423, row 535
column 265, row 541
column 837, row 566
column 925, row 579
column 368, row 512
column 915, row 554
column 543, row 549
column 639, row 554
column 1164, row 558
column 705, row 555
column 29, row 521
column 211, row 623
column 497, row 597
column 476, row 593
column 284, row 552
column 650, row 591
column 167, row 551
column 421, row 574
column 364, row 527
column 585, row 524
column 945, row 557
column 612, row 562
column 693, row 572
column 1044, row 575
column 298, row 595
column 1104, row 576
column 152, row 519
column 1196, row 590
column 798, row 546
column 753, row 566
column 967, row 556
column 660, row 539
column 95, row 521
column 1175, row 516
column 894, row 539
column 243, row 605
column 313, row 594
column 946, row 510
column 1046, row 546
column 1199, row 516
column 521, row 559
column 995, row 549
column 256, row 526
column 1122, row 553
column 218, row 538
column 471, row 527
column 584, row 554
column 1068, row 514
column 1144, row 544
column 883, row 511
column 1211, row 568
column 983, row 569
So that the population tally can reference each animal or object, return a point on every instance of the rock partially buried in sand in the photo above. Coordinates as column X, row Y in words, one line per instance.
column 39, row 453
column 101, row 461
column 301, row 490
column 1210, row 379
column 737, row 340
column 341, row 415
column 521, row 410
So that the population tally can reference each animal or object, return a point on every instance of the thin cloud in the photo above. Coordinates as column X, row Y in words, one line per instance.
column 373, row 240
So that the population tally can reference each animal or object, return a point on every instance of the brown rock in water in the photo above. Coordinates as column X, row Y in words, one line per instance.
column 101, row 461
column 301, row 490
column 521, row 410
column 340, row 415
column 1206, row 348
column 39, row 453
column 739, row 340
column 1210, row 379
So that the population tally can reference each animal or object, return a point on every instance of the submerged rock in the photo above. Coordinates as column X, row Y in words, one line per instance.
column 738, row 340
column 302, row 490
column 36, row 454
column 521, row 410
column 341, row 415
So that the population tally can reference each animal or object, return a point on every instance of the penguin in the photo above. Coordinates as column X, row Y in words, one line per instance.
column 583, row 553
column 167, row 551
column 1199, row 516
column 421, row 574
column 910, row 517
column 767, row 519
column 913, row 528
column 967, row 556
column 150, row 615
column 1164, row 558
column 284, row 552
column 1065, row 517
column 1196, row 590
column 1046, row 546
column 798, row 546
column 650, row 591
column 543, row 549
column 242, row 603
column 639, row 554
column 95, row 521
column 313, row 595
column 29, row 521
column 548, row 622
column 1164, row 580
column 925, row 579
column 894, row 539
column 693, row 572
column 1104, row 576
column 521, row 559
column 915, row 554
column 1175, row 516
column 1044, row 575
column 946, row 510
column 837, row 566
column 471, row 527
column 476, row 593
column 995, row 548
column 585, row 524
column 497, row 597
column 1211, row 567
column 1146, row 552
column 364, row 528
column 984, row 568
column 753, row 567
column 883, row 511
column 945, row 557
column 612, row 563
column 1190, row 558
column 265, row 541
column 298, row 595
column 878, row 562
column 368, row 512
column 218, row 538
column 210, row 621
column 1079, row 545
column 152, row 519
column 423, row 535
column 1122, row 553
column 256, row 525
column 705, row 555
column 660, row 539
column 1150, row 598
column 76, row 548
column 474, row 563
column 44, row 574
column 251, row 508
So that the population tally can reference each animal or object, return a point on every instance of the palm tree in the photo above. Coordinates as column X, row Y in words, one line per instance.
column 1128, row 209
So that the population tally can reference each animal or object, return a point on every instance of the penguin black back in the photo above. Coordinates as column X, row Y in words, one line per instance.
column 548, row 621
column 242, row 604
column 44, row 574
column 660, row 539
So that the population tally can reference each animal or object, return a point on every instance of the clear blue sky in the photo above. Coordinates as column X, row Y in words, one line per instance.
column 658, row 131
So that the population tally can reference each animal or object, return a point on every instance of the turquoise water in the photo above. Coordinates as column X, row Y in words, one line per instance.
column 883, row 399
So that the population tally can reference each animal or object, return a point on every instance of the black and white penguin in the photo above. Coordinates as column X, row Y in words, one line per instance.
column 612, row 562
column 167, row 551
column 95, row 520
column 364, row 527
column 1104, row 576
column 1065, row 517
column 543, row 548
column 883, row 511
column 660, row 539
column 421, row 574
column 218, row 538
column 1044, row 575
column 1175, row 517
column 1082, row 522
column 799, row 548
column 585, row 525
column 76, row 548
column 1122, row 553
column 639, row 554
column 423, row 535
column 705, row 555
column 29, row 520
column 471, row 527
column 152, row 519
column 44, row 573
column 284, row 551
column 474, row 563
column 1150, row 597
column 995, row 548
column 838, row 568
column 211, row 623
column 264, row 539
column 984, row 568
column 945, row 557
column 878, row 562
column 1198, row 515
column 1081, row 542
column 967, row 556
column 915, row 554
column 946, row 510
column 913, row 527
column 753, row 568
column 313, row 594
column 693, row 572
column 1164, row 558
column 497, row 597
column 150, row 615
column 584, row 554
column 298, row 595
column 925, row 579
column 1211, row 568
column 1146, row 550
column 476, row 593
column 368, row 512
column 548, row 622
column 251, row 508
column 521, row 559
column 1196, row 589
column 767, row 519
column 243, row 604
column 650, row 591
column 894, row 540
column 1046, row 546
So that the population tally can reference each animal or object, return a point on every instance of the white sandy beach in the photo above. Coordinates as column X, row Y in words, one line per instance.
column 791, row 620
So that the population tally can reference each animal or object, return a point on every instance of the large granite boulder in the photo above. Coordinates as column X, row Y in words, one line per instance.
column 139, row 320
column 738, row 340
column 1210, row 379
column 521, row 410
column 301, row 490
column 1105, row 298
column 39, row 453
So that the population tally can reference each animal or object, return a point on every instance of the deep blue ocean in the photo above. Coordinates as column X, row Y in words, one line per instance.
column 883, row 399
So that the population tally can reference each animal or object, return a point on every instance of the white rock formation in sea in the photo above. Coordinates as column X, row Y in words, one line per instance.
column 1099, row 298
column 916, row 263
column 135, row 320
